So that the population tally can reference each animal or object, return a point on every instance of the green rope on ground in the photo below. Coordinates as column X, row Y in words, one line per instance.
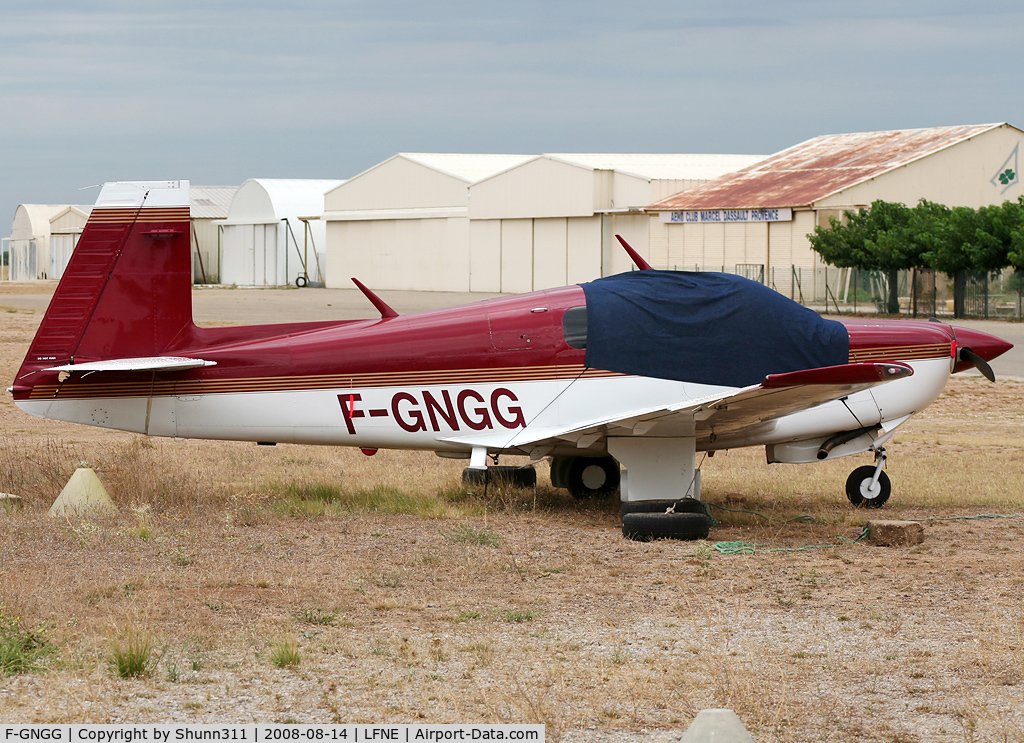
column 748, row 548
column 970, row 518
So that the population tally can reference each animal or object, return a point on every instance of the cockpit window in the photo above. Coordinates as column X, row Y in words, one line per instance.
column 574, row 325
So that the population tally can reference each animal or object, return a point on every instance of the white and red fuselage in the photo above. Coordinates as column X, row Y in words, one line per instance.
column 497, row 375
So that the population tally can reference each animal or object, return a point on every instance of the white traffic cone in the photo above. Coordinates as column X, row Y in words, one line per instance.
column 716, row 726
column 84, row 495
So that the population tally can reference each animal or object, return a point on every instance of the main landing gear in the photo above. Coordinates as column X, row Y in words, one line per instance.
column 869, row 486
column 586, row 478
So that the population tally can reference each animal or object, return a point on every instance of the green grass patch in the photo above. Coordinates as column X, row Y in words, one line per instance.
column 516, row 616
column 309, row 500
column 21, row 650
column 132, row 655
column 285, row 653
column 468, row 534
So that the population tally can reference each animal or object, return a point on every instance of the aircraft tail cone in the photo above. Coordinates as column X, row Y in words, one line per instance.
column 84, row 495
column 716, row 726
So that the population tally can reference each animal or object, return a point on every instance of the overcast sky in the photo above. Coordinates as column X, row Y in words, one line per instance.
column 222, row 90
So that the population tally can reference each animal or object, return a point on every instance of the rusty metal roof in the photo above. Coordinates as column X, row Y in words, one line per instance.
column 819, row 167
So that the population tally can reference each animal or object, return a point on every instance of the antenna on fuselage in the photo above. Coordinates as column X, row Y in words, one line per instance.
column 640, row 262
column 382, row 306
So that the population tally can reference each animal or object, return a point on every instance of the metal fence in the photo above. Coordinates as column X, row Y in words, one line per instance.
column 920, row 292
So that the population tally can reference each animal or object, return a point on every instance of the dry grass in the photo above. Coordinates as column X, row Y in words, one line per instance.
column 314, row 584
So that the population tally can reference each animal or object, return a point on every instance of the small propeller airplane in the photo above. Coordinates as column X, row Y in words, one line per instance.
column 642, row 370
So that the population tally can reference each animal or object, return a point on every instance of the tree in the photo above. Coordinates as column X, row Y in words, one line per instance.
column 966, row 240
column 880, row 238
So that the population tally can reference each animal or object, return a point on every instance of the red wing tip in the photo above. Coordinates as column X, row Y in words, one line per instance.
column 862, row 373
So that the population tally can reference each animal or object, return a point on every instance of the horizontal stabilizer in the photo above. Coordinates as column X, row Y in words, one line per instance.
column 153, row 363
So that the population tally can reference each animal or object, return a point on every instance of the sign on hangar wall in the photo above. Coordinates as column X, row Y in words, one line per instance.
column 728, row 215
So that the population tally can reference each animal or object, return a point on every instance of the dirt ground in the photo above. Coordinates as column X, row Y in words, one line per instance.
column 404, row 599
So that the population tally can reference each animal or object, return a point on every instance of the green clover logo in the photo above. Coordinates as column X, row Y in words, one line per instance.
column 1007, row 177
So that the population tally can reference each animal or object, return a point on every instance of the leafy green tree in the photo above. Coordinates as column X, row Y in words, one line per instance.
column 880, row 238
column 965, row 240
column 1008, row 226
column 891, row 237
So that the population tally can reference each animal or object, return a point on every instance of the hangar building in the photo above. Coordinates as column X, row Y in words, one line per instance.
column 273, row 233
column 28, row 247
column 755, row 221
column 44, row 236
column 209, row 208
column 552, row 220
column 65, row 228
column 500, row 223
column 403, row 224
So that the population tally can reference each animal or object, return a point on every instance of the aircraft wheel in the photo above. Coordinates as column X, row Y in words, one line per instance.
column 560, row 471
column 686, row 505
column 592, row 477
column 858, row 486
column 643, row 527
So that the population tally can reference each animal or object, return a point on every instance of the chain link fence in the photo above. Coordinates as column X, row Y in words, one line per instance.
column 920, row 293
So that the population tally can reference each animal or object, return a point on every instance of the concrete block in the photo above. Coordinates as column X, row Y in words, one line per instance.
column 895, row 533
column 716, row 726
column 84, row 495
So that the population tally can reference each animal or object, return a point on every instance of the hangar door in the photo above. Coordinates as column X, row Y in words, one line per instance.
column 251, row 256
column 61, row 248
column 521, row 255
column 25, row 260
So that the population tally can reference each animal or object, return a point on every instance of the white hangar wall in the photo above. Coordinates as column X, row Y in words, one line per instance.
column 66, row 228
column 553, row 220
column 29, row 244
column 272, row 226
column 820, row 178
column 209, row 208
column 403, row 224
column 500, row 223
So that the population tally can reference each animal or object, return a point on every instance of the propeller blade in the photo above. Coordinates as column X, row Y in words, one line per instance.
column 979, row 363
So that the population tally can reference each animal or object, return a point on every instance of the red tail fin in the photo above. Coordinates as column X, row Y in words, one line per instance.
column 127, row 291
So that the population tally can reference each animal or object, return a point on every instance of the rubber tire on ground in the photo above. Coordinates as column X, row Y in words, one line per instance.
column 643, row 527
column 857, row 478
column 516, row 477
column 301, row 281
column 584, row 482
column 560, row 471
column 686, row 505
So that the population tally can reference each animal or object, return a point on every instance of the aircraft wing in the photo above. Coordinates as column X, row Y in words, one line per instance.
column 777, row 396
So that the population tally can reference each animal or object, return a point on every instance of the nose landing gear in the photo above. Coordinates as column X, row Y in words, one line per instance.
column 869, row 486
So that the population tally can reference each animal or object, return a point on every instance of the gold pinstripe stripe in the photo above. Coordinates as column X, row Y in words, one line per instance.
column 898, row 353
column 71, row 390
column 146, row 214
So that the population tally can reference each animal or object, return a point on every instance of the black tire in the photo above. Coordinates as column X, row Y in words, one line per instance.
column 301, row 281
column 592, row 477
column 686, row 505
column 560, row 471
column 643, row 527
column 516, row 477
column 859, row 478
